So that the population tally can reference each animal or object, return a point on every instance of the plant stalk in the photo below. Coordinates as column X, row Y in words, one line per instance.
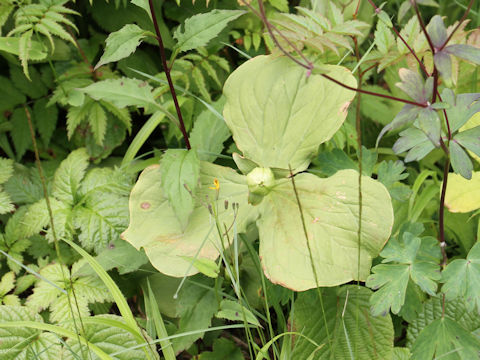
column 167, row 74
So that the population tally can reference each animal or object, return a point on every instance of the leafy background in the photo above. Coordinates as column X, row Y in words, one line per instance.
column 85, row 107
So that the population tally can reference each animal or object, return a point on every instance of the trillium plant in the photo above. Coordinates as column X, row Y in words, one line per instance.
column 280, row 179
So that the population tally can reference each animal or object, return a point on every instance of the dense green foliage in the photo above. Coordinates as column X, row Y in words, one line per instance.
column 239, row 179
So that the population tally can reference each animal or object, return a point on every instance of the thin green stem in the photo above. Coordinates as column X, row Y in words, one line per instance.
column 312, row 263
column 54, row 234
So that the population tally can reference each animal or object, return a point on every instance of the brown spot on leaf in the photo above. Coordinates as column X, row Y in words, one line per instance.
column 145, row 205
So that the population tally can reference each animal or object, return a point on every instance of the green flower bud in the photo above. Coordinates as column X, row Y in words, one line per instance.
column 260, row 181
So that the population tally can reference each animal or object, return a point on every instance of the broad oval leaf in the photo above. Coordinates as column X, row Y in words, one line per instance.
column 351, row 328
column 463, row 195
column 155, row 227
column 278, row 116
column 330, row 209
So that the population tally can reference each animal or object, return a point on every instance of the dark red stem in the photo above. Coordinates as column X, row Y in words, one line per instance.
column 467, row 11
column 441, row 223
column 420, row 63
column 167, row 73
column 373, row 93
column 422, row 25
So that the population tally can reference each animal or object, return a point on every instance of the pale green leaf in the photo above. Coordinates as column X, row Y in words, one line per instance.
column 351, row 328
column 199, row 29
column 155, row 227
column 463, row 195
column 278, row 116
column 6, row 169
column 7, row 283
column 180, row 171
column 120, row 44
column 330, row 209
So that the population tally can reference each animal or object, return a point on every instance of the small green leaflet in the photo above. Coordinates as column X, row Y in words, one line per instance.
column 201, row 28
column 180, row 169
column 462, row 279
column 233, row 311
column 69, row 175
column 445, row 337
column 122, row 43
column 410, row 262
column 6, row 171
column 122, row 92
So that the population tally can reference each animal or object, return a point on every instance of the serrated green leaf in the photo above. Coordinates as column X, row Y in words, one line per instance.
column 180, row 170
column 445, row 337
column 69, row 175
column 101, row 219
column 110, row 334
column 24, row 47
column 282, row 237
column 199, row 29
column 392, row 279
column 277, row 116
column 436, row 308
column 88, row 289
column 7, row 283
column 462, row 279
column 23, row 342
column 121, row 44
column 6, row 169
column 351, row 328
column 98, row 122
